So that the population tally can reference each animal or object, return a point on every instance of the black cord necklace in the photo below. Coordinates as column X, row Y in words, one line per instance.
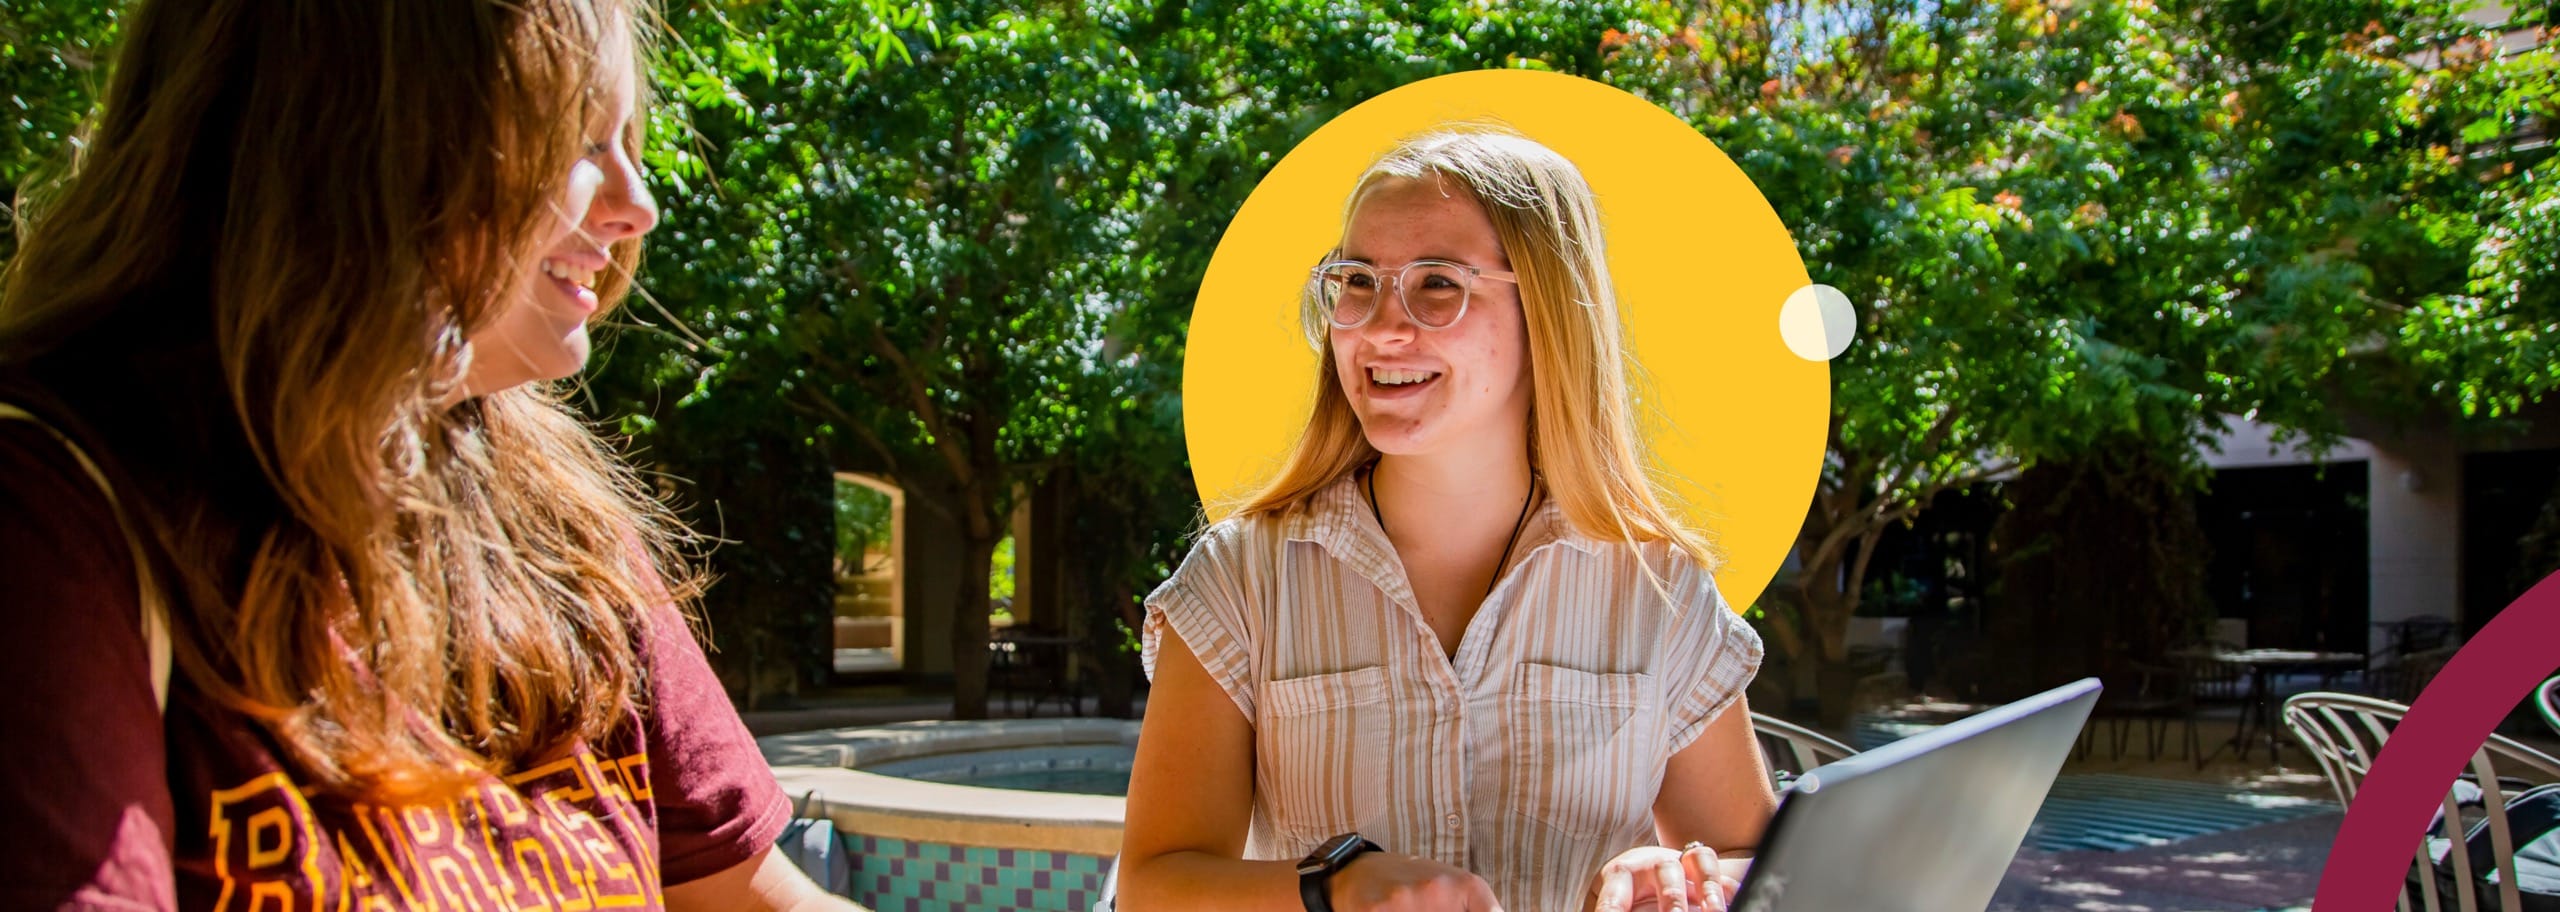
column 1507, row 544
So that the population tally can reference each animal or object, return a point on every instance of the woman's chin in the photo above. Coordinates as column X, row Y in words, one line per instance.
column 560, row 363
column 1401, row 439
column 571, row 357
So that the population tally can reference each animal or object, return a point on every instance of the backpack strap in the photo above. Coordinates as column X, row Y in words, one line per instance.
column 2532, row 816
column 155, row 611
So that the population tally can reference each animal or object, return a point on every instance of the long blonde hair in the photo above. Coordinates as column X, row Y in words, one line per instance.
column 251, row 294
column 1582, row 432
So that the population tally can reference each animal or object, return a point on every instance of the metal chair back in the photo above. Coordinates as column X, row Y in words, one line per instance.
column 2210, row 679
column 1790, row 749
column 2345, row 733
column 2403, row 677
column 2419, row 634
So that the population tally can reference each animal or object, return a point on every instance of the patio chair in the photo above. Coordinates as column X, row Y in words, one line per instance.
column 2461, row 865
column 2212, row 680
column 1788, row 748
column 2161, row 696
column 2402, row 677
column 2422, row 633
column 1027, row 662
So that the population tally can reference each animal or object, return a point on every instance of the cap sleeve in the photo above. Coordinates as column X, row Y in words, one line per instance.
column 84, row 797
column 718, row 803
column 1204, row 604
column 1718, row 648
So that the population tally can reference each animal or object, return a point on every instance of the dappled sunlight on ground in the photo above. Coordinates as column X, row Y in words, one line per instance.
column 2275, row 866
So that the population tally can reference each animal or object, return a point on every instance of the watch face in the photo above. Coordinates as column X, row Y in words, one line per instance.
column 1328, row 855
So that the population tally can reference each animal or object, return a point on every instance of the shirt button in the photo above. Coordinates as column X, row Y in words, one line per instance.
column 1453, row 821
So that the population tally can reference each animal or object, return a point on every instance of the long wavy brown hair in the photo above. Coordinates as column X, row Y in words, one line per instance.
column 251, row 293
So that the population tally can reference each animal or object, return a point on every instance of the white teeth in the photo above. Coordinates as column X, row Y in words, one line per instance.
column 1392, row 377
column 582, row 278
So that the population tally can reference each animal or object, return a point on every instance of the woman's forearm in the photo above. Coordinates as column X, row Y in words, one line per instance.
column 1200, row 880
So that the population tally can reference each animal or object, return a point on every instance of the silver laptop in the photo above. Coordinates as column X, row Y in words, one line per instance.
column 1925, row 824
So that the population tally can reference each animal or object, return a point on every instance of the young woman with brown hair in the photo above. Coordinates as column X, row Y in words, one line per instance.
column 316, row 590
column 1458, row 654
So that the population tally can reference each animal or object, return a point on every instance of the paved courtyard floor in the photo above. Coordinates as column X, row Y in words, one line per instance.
column 2274, row 866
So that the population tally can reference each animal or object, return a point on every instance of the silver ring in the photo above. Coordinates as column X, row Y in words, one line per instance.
column 1692, row 846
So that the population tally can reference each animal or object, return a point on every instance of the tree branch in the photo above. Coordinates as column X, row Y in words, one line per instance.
column 920, row 396
column 828, row 408
column 1935, row 437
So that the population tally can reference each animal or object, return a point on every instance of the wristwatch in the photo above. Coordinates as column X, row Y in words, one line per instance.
column 1315, row 872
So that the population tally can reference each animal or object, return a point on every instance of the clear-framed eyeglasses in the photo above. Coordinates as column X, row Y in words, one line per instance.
column 1435, row 293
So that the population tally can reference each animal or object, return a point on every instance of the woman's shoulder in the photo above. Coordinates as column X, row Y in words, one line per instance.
column 1666, row 577
column 1222, row 556
column 48, row 493
column 1236, row 562
column 1656, row 559
column 1240, row 537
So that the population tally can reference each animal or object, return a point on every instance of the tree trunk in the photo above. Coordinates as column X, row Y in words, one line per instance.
column 970, row 630
column 1827, row 590
column 1824, row 619
column 1118, row 684
column 2102, row 565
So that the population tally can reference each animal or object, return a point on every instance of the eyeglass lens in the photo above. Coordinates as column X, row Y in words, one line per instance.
column 1434, row 294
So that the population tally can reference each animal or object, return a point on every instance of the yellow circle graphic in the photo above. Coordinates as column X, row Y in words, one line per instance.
column 1735, row 419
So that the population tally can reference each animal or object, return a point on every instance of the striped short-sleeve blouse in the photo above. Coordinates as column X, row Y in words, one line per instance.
column 1531, row 757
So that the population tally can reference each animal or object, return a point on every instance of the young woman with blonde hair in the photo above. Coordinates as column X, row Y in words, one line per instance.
column 317, row 592
column 1458, row 654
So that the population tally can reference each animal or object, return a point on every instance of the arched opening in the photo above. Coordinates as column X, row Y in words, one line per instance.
column 870, row 570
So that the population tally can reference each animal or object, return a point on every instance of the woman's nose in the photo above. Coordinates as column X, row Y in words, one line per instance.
column 623, row 208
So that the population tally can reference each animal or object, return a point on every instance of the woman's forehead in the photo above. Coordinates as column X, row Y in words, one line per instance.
column 616, row 74
column 1395, row 213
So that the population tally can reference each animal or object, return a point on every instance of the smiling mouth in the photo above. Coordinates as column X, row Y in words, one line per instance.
column 1393, row 378
column 584, row 279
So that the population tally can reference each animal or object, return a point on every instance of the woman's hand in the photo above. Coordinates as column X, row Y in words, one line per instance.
column 1658, row 879
column 1383, row 882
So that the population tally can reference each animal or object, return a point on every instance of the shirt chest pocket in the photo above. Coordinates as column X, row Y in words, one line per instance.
column 1319, row 752
column 1580, row 760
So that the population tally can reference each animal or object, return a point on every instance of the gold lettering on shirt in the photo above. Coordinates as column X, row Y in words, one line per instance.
column 569, row 836
column 263, row 839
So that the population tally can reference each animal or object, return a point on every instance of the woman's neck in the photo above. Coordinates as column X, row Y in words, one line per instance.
column 1462, row 494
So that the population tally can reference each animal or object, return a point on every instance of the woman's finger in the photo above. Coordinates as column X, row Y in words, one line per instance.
column 1700, row 861
column 1729, row 884
column 1672, row 885
column 1480, row 897
column 1617, row 889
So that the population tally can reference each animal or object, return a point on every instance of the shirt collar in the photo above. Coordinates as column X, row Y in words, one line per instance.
column 1338, row 516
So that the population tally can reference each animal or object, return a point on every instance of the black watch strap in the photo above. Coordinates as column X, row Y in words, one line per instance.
column 1315, row 883
column 1314, row 889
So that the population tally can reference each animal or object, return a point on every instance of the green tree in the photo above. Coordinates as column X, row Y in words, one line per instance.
column 2078, row 227
column 53, row 63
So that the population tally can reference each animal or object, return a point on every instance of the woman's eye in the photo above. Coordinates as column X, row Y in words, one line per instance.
column 1360, row 281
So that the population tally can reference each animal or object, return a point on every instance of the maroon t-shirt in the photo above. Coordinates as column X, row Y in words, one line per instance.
column 107, row 803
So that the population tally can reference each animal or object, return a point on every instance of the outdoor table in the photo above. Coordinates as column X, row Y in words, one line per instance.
column 1046, row 657
column 2261, row 708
